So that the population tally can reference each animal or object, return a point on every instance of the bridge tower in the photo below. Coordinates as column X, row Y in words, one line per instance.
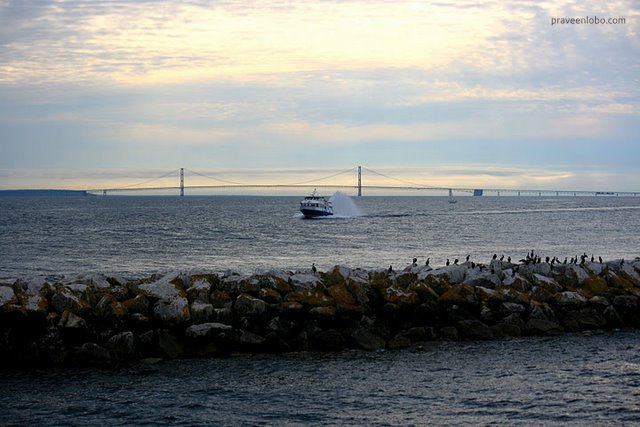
column 181, row 181
column 359, row 181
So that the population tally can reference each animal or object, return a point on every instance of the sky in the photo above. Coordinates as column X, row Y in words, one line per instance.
column 97, row 94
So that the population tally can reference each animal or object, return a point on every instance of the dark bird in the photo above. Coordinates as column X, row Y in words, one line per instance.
column 571, row 260
column 495, row 256
column 592, row 258
column 600, row 259
column 565, row 260
column 447, row 263
column 473, row 265
column 467, row 260
column 427, row 262
column 546, row 260
column 509, row 259
column 313, row 268
column 390, row 269
column 622, row 262
column 415, row 261
column 502, row 257
column 455, row 261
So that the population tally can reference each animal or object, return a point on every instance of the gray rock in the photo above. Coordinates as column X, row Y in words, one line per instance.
column 72, row 321
column 449, row 333
column 503, row 329
column 474, row 330
column 207, row 330
column 201, row 312
column 93, row 354
column 170, row 344
column 367, row 340
column 123, row 346
column 63, row 299
column 246, row 305
column 544, row 327
column 329, row 340
column 512, row 307
column 6, row 295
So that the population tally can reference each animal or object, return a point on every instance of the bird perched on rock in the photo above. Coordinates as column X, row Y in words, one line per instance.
column 468, row 256
column 600, row 259
column 427, row 262
column 415, row 261
column 592, row 258
column 502, row 257
column 313, row 268
column 390, row 270
column 447, row 263
column 495, row 256
column 509, row 259
column 565, row 260
column 455, row 261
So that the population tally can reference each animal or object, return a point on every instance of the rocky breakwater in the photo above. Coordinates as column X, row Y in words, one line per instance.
column 100, row 320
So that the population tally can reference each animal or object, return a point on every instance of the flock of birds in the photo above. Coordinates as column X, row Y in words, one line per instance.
column 531, row 258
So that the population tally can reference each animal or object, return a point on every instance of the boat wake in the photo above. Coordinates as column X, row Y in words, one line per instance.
column 343, row 206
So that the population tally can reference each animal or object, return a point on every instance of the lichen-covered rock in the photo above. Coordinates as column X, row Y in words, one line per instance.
column 246, row 305
column 70, row 320
column 459, row 295
column 63, row 299
column 199, row 291
column 171, row 306
column 309, row 298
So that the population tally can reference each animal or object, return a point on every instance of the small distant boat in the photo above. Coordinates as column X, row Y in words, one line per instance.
column 315, row 206
column 451, row 199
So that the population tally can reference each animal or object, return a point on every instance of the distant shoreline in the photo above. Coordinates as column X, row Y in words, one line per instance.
column 45, row 193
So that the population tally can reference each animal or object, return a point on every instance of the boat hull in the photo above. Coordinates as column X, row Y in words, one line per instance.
column 315, row 213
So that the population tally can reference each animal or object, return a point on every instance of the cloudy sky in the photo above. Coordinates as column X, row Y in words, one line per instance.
column 450, row 93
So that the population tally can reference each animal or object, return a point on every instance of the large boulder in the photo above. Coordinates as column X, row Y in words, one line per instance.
column 64, row 299
column 543, row 327
column 171, row 305
column 306, row 282
column 123, row 346
column 453, row 273
column 473, row 330
column 246, row 305
column 367, row 340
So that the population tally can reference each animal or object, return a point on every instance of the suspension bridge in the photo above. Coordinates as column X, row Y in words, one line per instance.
column 357, row 173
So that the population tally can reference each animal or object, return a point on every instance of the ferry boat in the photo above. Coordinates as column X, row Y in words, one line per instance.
column 315, row 206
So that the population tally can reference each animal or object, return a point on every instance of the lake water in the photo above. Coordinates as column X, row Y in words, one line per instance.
column 573, row 379
column 143, row 235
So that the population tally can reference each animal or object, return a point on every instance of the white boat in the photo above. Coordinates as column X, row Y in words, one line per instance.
column 451, row 199
column 315, row 206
